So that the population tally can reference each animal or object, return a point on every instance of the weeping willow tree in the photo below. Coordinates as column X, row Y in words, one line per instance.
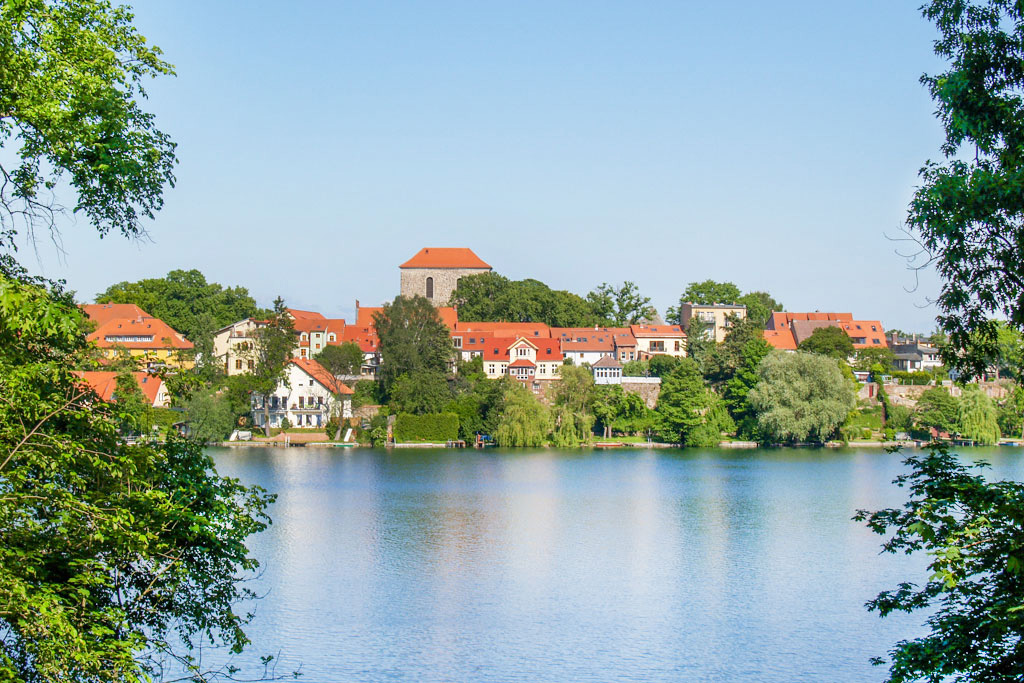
column 525, row 420
column 978, row 418
column 573, row 416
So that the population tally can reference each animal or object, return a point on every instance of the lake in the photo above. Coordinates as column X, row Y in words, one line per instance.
column 546, row 565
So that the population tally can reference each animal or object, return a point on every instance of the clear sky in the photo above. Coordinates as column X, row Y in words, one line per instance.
column 775, row 145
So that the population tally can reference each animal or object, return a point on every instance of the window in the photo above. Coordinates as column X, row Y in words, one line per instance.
column 430, row 288
column 332, row 337
column 678, row 347
column 318, row 346
column 457, row 342
column 875, row 341
column 302, row 400
column 251, row 365
column 238, row 364
column 303, row 353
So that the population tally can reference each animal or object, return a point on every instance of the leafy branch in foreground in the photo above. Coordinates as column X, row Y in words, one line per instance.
column 110, row 551
column 973, row 530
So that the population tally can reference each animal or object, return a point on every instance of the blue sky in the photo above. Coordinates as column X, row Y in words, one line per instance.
column 775, row 145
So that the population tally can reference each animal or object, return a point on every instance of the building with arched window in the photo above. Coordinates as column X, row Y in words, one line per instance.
column 434, row 272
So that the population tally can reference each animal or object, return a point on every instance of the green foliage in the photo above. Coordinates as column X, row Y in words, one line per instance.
column 70, row 77
column 736, row 390
column 525, row 421
column 210, row 416
column 636, row 368
column 760, row 306
column 343, row 359
column 662, row 365
column 132, row 406
column 800, row 397
column 285, row 425
column 622, row 306
column 271, row 352
column 973, row 590
column 617, row 411
column 913, row 378
column 900, row 418
column 489, row 297
column 937, row 408
column 367, row 392
column 151, row 539
column 967, row 211
column 571, row 413
column 420, row 392
column 688, row 410
column 977, row 418
column 711, row 292
column 721, row 361
column 828, row 341
column 1011, row 413
column 412, row 339
column 865, row 360
column 187, row 302
column 428, row 428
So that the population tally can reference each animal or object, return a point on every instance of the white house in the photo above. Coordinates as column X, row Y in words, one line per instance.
column 607, row 371
column 306, row 397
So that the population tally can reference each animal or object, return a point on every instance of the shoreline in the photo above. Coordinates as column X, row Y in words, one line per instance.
column 601, row 445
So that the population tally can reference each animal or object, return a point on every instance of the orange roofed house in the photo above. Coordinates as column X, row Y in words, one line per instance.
column 128, row 328
column 104, row 385
column 786, row 331
column 434, row 272
column 307, row 397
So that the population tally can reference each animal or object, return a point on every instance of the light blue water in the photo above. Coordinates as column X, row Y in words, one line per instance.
column 577, row 566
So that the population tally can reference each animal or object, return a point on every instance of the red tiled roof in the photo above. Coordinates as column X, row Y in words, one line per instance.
column 781, row 339
column 521, row 363
column 449, row 316
column 593, row 343
column 871, row 330
column 364, row 315
column 102, row 313
column 782, row 319
column 104, row 384
column 320, row 374
column 507, row 330
column 164, row 337
column 672, row 331
column 445, row 257
column 304, row 315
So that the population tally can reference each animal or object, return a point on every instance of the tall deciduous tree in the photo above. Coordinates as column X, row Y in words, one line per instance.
column 967, row 213
column 800, row 397
column 760, row 306
column 489, row 297
column 620, row 306
column 525, row 421
column 412, row 339
column 711, row 292
column 829, row 341
column 185, row 301
column 937, row 408
column 343, row 359
column 272, row 347
column 977, row 417
column 572, row 415
column 688, row 410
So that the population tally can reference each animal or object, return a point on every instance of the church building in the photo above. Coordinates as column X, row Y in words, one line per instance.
column 434, row 272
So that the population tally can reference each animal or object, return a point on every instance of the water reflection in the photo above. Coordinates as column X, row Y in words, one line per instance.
column 554, row 566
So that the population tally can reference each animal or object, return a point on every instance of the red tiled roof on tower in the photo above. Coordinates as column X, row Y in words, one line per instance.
column 445, row 257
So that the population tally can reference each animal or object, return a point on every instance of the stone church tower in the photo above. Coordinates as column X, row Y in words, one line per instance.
column 434, row 272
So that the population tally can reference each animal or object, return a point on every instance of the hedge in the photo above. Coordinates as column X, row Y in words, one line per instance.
column 432, row 427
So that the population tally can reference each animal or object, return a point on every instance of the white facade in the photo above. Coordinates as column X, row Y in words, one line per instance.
column 301, row 398
column 231, row 346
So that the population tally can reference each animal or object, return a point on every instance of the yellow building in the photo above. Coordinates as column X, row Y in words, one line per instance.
column 126, row 328
column 717, row 316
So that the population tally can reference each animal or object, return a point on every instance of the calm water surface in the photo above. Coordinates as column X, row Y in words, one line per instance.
column 577, row 566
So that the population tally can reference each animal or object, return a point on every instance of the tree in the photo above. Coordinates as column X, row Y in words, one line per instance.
column 151, row 540
column 970, row 528
column 760, row 306
column 661, row 365
column 828, row 341
column 621, row 306
column 866, row 359
column 799, row 397
column 710, row 292
column 210, row 416
column 132, row 406
column 967, row 214
column 343, row 359
column 687, row 408
column 420, row 392
column 70, row 80
column 736, row 391
column 937, row 409
column 187, row 302
column 412, row 339
column 573, row 395
column 977, row 418
column 272, row 346
column 489, row 297
column 525, row 421
column 722, row 360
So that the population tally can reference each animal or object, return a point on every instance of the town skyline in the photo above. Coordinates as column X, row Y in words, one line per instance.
column 574, row 146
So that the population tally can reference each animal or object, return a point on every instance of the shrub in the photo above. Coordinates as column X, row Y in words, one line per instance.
column 431, row 427
column 285, row 424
